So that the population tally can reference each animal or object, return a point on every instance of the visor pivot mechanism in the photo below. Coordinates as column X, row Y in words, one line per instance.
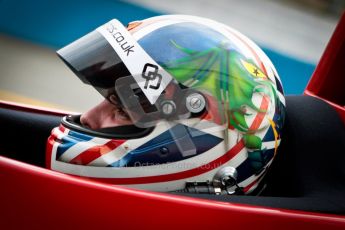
column 195, row 103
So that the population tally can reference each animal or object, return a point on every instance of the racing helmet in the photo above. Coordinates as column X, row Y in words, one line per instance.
column 206, row 105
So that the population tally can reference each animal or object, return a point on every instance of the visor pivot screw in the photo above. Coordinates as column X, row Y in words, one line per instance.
column 168, row 107
column 195, row 103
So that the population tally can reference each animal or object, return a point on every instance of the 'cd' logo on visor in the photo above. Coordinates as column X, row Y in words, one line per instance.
column 136, row 60
column 150, row 73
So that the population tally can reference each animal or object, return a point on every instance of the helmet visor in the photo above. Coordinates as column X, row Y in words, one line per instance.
column 132, row 80
column 95, row 62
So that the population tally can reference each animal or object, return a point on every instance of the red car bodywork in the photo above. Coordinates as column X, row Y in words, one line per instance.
column 37, row 198
column 328, row 80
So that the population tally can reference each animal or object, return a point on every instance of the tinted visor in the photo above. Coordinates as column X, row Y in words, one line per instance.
column 95, row 62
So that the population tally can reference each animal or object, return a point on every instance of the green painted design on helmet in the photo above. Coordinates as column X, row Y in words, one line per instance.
column 223, row 73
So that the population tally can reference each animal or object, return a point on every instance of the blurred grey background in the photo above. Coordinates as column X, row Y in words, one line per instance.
column 293, row 33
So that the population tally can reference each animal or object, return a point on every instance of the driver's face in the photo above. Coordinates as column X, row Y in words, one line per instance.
column 104, row 115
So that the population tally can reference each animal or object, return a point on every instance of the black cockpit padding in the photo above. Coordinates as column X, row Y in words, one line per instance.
column 24, row 134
